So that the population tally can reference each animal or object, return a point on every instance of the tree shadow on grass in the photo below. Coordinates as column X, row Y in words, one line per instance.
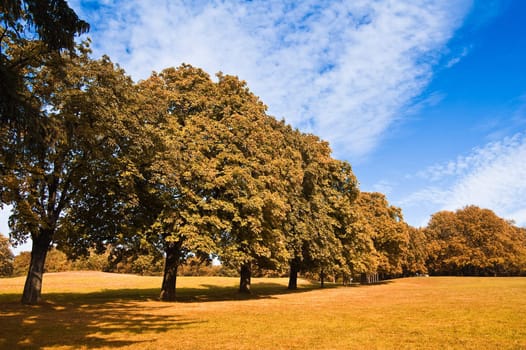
column 86, row 321
column 111, row 318
column 260, row 290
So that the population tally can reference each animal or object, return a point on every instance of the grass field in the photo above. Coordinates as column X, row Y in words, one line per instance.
column 91, row 310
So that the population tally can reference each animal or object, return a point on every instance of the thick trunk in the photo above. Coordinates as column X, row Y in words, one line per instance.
column 293, row 277
column 244, row 281
column 170, row 273
column 33, row 287
column 322, row 279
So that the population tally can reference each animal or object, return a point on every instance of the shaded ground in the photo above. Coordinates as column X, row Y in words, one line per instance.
column 90, row 325
column 90, row 319
column 104, row 312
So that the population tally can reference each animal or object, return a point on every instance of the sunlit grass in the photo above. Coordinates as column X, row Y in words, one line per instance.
column 95, row 310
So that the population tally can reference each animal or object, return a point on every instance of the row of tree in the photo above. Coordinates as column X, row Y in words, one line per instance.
column 180, row 166
column 177, row 164
column 144, row 265
column 468, row 242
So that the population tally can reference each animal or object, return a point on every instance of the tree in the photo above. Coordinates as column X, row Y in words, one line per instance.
column 21, row 263
column 22, row 23
column 319, row 226
column 474, row 241
column 414, row 260
column 245, row 192
column 84, row 105
column 57, row 261
column 391, row 236
column 181, row 219
column 6, row 257
column 54, row 21
column 352, row 229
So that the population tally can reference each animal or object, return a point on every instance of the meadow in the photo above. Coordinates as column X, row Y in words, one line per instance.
column 93, row 310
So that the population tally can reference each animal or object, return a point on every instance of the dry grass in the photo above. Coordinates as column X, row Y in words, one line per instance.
column 90, row 310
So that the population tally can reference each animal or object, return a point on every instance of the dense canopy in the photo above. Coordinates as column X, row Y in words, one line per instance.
column 183, row 166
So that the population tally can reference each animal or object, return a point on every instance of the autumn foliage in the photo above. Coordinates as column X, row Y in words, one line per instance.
column 474, row 242
column 182, row 166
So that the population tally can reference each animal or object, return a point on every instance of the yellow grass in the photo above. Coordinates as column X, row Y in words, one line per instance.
column 91, row 310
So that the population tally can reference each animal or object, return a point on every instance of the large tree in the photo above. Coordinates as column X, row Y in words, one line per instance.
column 41, row 27
column 84, row 104
column 212, row 179
column 32, row 33
column 178, row 204
column 245, row 190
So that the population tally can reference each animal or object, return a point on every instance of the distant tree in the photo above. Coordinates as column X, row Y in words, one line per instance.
column 21, row 263
column 474, row 242
column 92, row 261
column 195, row 266
column 318, row 233
column 359, row 251
column 518, row 264
column 390, row 232
column 57, row 261
column 352, row 228
column 6, row 257
column 415, row 256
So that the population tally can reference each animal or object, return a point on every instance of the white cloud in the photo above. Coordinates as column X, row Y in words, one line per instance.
column 383, row 186
column 457, row 59
column 493, row 176
column 343, row 70
column 479, row 158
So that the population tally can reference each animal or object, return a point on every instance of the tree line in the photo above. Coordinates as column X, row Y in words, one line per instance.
column 185, row 166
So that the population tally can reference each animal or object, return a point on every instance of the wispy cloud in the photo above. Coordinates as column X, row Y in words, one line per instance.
column 341, row 69
column 493, row 176
column 458, row 58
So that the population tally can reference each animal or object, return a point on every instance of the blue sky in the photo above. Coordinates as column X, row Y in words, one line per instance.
column 426, row 98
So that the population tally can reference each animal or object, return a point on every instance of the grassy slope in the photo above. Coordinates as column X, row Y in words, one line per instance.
column 94, row 310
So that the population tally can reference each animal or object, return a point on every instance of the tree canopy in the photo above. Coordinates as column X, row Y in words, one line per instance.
column 474, row 242
column 183, row 166
column 86, row 149
column 30, row 30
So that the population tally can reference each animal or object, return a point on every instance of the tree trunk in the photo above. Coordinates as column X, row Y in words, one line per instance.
column 33, row 287
column 322, row 279
column 170, row 273
column 244, row 281
column 293, row 276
